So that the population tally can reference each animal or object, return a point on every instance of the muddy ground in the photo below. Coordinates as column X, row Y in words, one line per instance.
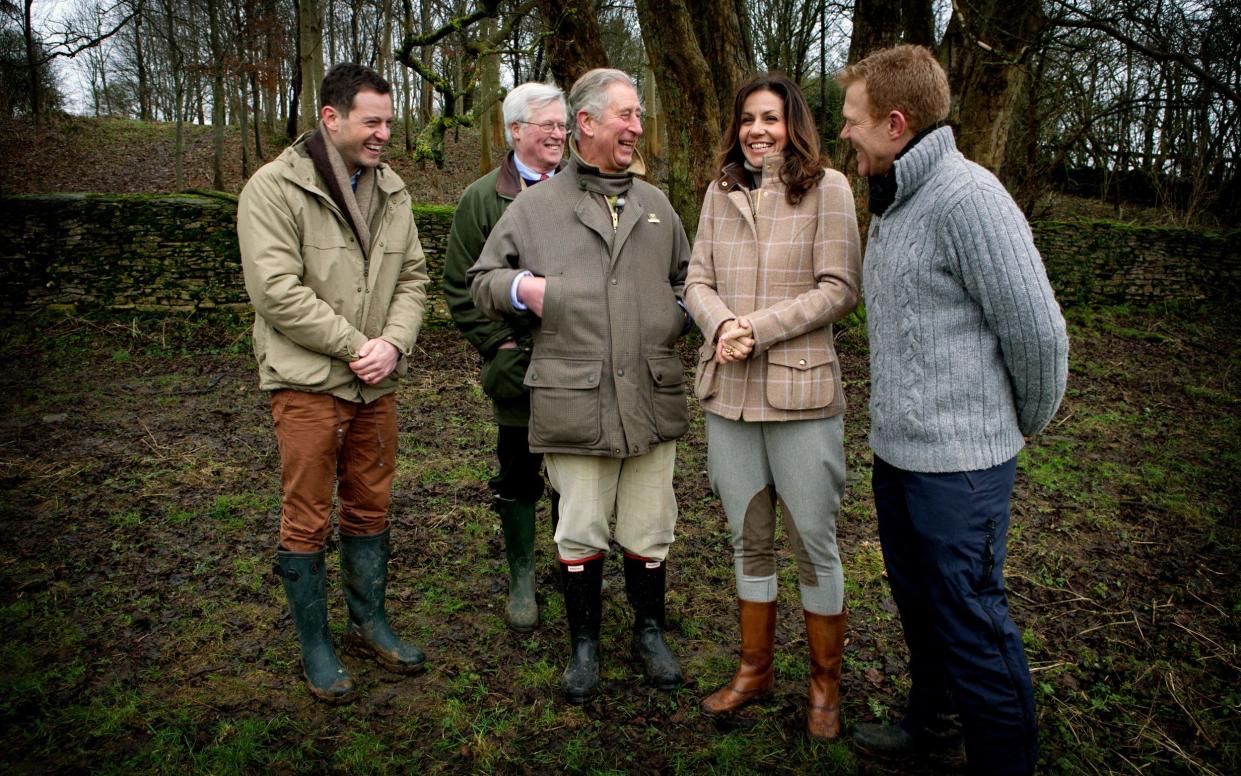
column 144, row 633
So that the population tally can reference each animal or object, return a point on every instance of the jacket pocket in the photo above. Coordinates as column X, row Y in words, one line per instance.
column 800, row 378
column 564, row 401
column 668, row 397
column 503, row 375
column 289, row 362
column 706, row 382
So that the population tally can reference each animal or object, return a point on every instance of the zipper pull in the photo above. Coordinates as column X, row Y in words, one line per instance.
column 617, row 206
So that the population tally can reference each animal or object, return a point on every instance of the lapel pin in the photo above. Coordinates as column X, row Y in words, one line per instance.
column 651, row 218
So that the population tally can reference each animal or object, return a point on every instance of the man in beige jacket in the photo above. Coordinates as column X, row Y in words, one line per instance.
column 338, row 281
column 607, row 393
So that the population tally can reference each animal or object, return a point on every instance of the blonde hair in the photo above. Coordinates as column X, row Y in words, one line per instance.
column 903, row 78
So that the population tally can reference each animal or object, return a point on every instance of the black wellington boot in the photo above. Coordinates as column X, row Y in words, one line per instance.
column 644, row 584
column 364, row 573
column 517, row 518
column 582, row 582
column 304, row 578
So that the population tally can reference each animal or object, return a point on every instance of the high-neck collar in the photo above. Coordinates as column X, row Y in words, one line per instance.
column 743, row 175
column 910, row 167
column 609, row 184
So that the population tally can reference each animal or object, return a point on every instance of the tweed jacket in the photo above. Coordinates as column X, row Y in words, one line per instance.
column 791, row 271
column 316, row 298
column 605, row 378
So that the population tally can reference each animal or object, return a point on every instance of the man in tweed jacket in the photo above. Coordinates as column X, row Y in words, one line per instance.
column 968, row 355
column 599, row 257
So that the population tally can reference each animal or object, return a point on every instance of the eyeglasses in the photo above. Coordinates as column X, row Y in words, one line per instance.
column 548, row 127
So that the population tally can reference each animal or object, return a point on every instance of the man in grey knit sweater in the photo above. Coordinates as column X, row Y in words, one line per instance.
column 969, row 356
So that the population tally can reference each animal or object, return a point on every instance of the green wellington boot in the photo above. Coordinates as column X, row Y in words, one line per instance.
column 303, row 574
column 364, row 573
column 517, row 519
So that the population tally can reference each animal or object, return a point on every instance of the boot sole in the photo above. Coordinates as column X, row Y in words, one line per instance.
column 758, row 695
column 328, row 698
column 358, row 648
column 578, row 700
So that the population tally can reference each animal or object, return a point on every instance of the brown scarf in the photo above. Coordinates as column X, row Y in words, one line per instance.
column 358, row 206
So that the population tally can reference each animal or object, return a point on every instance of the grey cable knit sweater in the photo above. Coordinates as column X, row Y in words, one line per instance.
column 968, row 349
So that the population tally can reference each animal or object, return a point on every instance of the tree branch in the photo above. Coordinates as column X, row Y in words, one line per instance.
column 1091, row 23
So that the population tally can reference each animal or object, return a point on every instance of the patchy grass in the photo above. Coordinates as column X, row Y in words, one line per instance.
column 143, row 632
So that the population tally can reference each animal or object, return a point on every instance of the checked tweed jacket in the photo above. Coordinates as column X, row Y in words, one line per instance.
column 792, row 271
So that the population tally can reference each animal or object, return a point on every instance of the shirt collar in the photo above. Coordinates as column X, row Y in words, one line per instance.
column 528, row 173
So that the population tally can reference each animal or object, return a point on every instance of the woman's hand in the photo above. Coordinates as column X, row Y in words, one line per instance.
column 734, row 341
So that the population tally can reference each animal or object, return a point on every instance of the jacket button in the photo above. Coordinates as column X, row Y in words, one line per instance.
column 659, row 378
column 801, row 362
column 616, row 451
column 534, row 376
column 613, row 281
column 591, row 379
column 620, row 372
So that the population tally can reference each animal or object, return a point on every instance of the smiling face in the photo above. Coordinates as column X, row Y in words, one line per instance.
column 537, row 150
column 876, row 140
column 360, row 135
column 762, row 130
column 609, row 143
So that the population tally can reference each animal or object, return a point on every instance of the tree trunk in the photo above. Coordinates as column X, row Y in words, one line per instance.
column 918, row 23
column 310, row 59
column 875, row 26
column 654, row 123
column 140, row 67
column 986, row 51
column 489, row 89
column 32, row 67
column 723, row 32
column 573, row 41
column 217, row 96
column 425, row 103
column 689, row 98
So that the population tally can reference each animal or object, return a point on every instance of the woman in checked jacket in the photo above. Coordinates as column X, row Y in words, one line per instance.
column 775, row 263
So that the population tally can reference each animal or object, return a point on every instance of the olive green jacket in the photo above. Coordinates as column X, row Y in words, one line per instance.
column 605, row 378
column 478, row 211
column 315, row 304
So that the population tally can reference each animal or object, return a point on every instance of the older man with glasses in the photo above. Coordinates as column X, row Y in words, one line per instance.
column 534, row 126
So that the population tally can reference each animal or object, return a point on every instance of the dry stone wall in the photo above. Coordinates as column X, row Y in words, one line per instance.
column 179, row 252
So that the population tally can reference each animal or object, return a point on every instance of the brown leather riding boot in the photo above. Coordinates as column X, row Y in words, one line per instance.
column 755, row 676
column 825, row 633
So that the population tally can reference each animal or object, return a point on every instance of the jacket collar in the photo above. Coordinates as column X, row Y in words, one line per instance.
column 509, row 184
column 300, row 169
column 735, row 177
column 637, row 167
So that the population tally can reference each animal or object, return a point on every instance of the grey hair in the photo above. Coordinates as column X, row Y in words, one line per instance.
column 526, row 99
column 590, row 92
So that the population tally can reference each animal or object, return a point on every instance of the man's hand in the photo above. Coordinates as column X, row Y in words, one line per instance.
column 530, row 290
column 376, row 360
column 734, row 341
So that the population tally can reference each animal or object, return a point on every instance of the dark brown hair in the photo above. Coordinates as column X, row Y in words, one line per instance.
column 803, row 159
column 343, row 82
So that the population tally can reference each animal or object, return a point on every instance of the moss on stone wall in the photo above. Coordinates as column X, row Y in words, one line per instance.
column 169, row 253
column 179, row 253
column 1093, row 262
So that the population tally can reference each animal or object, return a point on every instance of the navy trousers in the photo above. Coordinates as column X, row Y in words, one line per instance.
column 944, row 539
